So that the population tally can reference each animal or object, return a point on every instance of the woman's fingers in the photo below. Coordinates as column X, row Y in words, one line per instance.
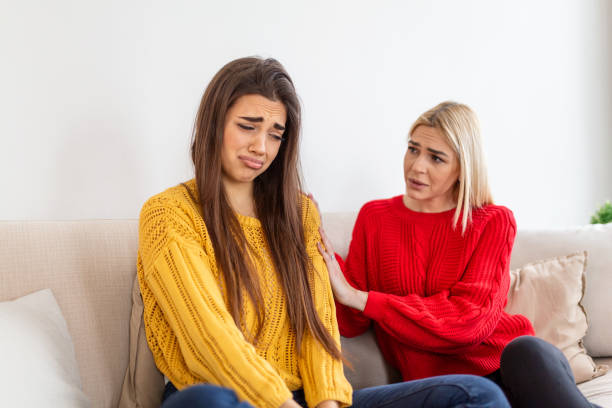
column 341, row 288
column 325, row 240
column 323, row 253
column 327, row 256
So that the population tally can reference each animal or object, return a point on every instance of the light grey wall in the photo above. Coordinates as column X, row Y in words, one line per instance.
column 98, row 97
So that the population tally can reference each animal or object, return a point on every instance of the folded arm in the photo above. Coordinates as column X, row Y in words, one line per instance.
column 467, row 313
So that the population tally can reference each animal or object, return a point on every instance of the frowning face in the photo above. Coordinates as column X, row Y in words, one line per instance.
column 431, row 171
column 252, row 136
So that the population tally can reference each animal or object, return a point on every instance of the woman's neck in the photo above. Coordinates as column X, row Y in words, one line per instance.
column 240, row 196
column 434, row 206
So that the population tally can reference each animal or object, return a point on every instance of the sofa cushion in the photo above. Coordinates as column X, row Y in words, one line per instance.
column 548, row 293
column 599, row 390
column 532, row 245
column 90, row 267
column 143, row 384
column 368, row 367
column 39, row 367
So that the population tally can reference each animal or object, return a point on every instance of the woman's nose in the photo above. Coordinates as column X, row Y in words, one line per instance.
column 419, row 165
column 258, row 143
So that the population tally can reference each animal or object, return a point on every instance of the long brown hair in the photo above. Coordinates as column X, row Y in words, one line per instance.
column 277, row 196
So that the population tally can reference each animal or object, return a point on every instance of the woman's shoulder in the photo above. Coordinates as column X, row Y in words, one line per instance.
column 381, row 204
column 377, row 208
column 492, row 213
column 170, row 215
column 310, row 212
column 180, row 198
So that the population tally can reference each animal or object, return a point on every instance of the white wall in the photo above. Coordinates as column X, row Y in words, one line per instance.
column 97, row 98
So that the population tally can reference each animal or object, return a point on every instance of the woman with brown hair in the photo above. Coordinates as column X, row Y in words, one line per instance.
column 238, row 309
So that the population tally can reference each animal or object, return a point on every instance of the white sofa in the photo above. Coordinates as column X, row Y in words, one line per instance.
column 90, row 267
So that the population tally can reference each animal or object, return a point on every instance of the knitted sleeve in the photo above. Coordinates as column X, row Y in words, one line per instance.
column 352, row 322
column 178, row 273
column 463, row 316
column 322, row 375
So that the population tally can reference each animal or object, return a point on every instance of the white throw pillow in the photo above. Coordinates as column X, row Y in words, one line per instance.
column 39, row 367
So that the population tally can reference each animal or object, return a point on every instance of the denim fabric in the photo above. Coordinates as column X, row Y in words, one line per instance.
column 458, row 391
column 533, row 373
column 201, row 396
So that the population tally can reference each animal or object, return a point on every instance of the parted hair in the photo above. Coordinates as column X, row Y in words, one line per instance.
column 461, row 129
column 277, row 196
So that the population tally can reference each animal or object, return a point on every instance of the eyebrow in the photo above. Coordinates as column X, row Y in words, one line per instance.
column 259, row 119
column 434, row 151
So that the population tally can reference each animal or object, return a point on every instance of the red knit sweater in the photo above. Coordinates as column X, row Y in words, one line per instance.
column 436, row 297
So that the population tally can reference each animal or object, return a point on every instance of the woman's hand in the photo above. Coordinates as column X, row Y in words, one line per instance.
column 343, row 291
column 290, row 403
column 328, row 404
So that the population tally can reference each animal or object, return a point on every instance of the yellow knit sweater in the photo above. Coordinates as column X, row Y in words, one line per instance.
column 190, row 329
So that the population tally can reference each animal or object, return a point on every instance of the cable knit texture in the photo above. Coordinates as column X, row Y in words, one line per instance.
column 188, row 324
column 436, row 297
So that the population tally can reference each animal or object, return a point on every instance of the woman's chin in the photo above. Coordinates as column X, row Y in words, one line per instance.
column 415, row 196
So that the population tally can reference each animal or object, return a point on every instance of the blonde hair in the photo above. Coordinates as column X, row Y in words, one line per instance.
column 461, row 129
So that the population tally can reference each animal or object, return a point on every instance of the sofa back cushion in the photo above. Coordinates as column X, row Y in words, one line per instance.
column 90, row 267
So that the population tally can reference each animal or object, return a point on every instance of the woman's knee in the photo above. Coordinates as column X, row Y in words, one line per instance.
column 471, row 390
column 485, row 393
column 528, row 349
column 528, row 357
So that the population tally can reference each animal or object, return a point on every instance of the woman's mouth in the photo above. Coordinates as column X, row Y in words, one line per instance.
column 416, row 184
column 251, row 162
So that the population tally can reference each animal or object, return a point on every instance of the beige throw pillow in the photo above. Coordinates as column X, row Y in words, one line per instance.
column 143, row 384
column 548, row 293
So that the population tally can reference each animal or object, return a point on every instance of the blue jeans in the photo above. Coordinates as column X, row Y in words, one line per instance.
column 460, row 391
column 201, row 395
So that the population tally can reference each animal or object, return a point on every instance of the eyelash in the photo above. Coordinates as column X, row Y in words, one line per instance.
column 247, row 127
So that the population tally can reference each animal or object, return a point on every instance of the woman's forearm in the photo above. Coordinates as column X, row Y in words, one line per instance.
column 356, row 299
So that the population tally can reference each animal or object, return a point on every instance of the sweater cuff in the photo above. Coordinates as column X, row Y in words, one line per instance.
column 279, row 400
column 343, row 396
column 375, row 305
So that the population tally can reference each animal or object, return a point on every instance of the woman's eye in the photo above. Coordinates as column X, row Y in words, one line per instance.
column 277, row 137
column 245, row 127
column 437, row 159
column 412, row 149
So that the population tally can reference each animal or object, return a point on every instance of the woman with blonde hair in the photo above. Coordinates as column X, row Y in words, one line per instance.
column 429, row 269
column 238, row 309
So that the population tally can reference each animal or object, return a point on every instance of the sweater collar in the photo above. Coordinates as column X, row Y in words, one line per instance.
column 398, row 206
